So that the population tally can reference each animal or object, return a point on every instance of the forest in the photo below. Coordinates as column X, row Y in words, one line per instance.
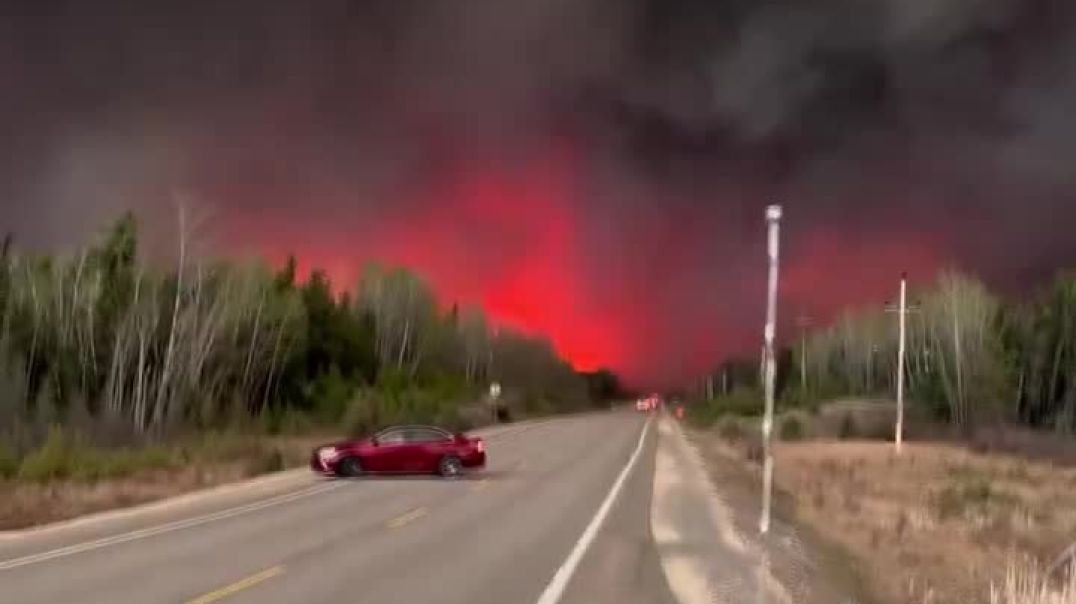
column 120, row 350
column 973, row 358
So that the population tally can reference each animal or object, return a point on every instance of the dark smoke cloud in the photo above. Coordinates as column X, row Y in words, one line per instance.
column 593, row 169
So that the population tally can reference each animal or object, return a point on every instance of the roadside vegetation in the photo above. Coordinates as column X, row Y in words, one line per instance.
column 979, row 506
column 114, row 365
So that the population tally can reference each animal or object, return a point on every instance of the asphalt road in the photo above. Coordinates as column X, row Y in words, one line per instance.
column 498, row 537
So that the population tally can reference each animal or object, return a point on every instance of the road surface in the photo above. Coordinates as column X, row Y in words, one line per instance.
column 499, row 537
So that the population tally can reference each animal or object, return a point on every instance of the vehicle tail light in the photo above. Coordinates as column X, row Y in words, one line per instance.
column 479, row 445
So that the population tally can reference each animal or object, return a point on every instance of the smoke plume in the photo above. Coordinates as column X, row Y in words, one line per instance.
column 590, row 169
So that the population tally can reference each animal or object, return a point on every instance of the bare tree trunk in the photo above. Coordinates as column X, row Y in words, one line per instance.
column 404, row 341
column 272, row 365
column 166, row 371
column 1055, row 373
column 31, row 358
column 253, row 342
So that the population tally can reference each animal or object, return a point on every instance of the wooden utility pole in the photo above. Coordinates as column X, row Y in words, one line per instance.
column 803, row 322
column 902, row 347
column 898, row 438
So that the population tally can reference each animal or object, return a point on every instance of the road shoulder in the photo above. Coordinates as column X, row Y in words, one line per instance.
column 622, row 566
column 191, row 505
column 810, row 569
column 706, row 558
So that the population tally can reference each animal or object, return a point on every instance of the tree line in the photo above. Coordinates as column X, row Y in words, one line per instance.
column 105, row 341
column 972, row 357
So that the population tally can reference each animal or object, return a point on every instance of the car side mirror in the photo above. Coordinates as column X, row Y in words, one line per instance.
column 375, row 442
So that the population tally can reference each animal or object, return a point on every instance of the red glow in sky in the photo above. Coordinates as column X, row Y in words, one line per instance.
column 506, row 239
column 657, row 306
column 830, row 270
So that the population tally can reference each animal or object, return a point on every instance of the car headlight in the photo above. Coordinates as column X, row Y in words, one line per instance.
column 327, row 454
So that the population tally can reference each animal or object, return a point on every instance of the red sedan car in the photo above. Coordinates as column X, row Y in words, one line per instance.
column 402, row 450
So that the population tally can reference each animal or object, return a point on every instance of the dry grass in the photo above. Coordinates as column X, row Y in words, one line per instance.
column 24, row 504
column 937, row 524
column 1025, row 585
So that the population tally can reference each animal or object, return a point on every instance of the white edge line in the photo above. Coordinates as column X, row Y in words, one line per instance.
column 163, row 528
column 198, row 495
column 189, row 498
column 555, row 590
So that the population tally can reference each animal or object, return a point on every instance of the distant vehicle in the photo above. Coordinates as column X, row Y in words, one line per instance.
column 402, row 450
column 647, row 404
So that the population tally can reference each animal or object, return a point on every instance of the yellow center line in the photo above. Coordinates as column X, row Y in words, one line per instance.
column 407, row 518
column 480, row 485
column 238, row 586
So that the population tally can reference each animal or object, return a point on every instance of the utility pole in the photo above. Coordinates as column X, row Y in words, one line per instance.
column 959, row 364
column 773, row 222
column 902, row 310
column 803, row 322
column 898, row 438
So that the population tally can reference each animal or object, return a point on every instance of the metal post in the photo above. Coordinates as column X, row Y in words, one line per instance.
column 773, row 221
column 899, row 436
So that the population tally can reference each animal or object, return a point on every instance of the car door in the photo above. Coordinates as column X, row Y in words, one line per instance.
column 426, row 447
column 388, row 453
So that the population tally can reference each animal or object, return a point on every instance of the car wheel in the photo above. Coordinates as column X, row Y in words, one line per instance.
column 349, row 467
column 451, row 467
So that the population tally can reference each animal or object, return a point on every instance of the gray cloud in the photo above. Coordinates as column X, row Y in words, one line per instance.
column 946, row 122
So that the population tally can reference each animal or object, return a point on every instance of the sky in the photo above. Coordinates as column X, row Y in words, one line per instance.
column 591, row 170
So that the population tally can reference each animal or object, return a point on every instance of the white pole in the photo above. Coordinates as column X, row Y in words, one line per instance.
column 773, row 220
column 899, row 436
column 803, row 361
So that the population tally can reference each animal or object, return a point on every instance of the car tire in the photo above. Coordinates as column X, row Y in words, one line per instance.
column 349, row 467
column 450, row 467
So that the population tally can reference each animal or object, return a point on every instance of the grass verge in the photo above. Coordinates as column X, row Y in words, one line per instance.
column 64, row 478
column 936, row 524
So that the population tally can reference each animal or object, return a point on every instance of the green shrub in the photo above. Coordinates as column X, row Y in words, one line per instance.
column 289, row 421
column 792, row 429
column 361, row 416
column 331, row 393
column 62, row 457
column 53, row 460
column 741, row 402
column 9, row 463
